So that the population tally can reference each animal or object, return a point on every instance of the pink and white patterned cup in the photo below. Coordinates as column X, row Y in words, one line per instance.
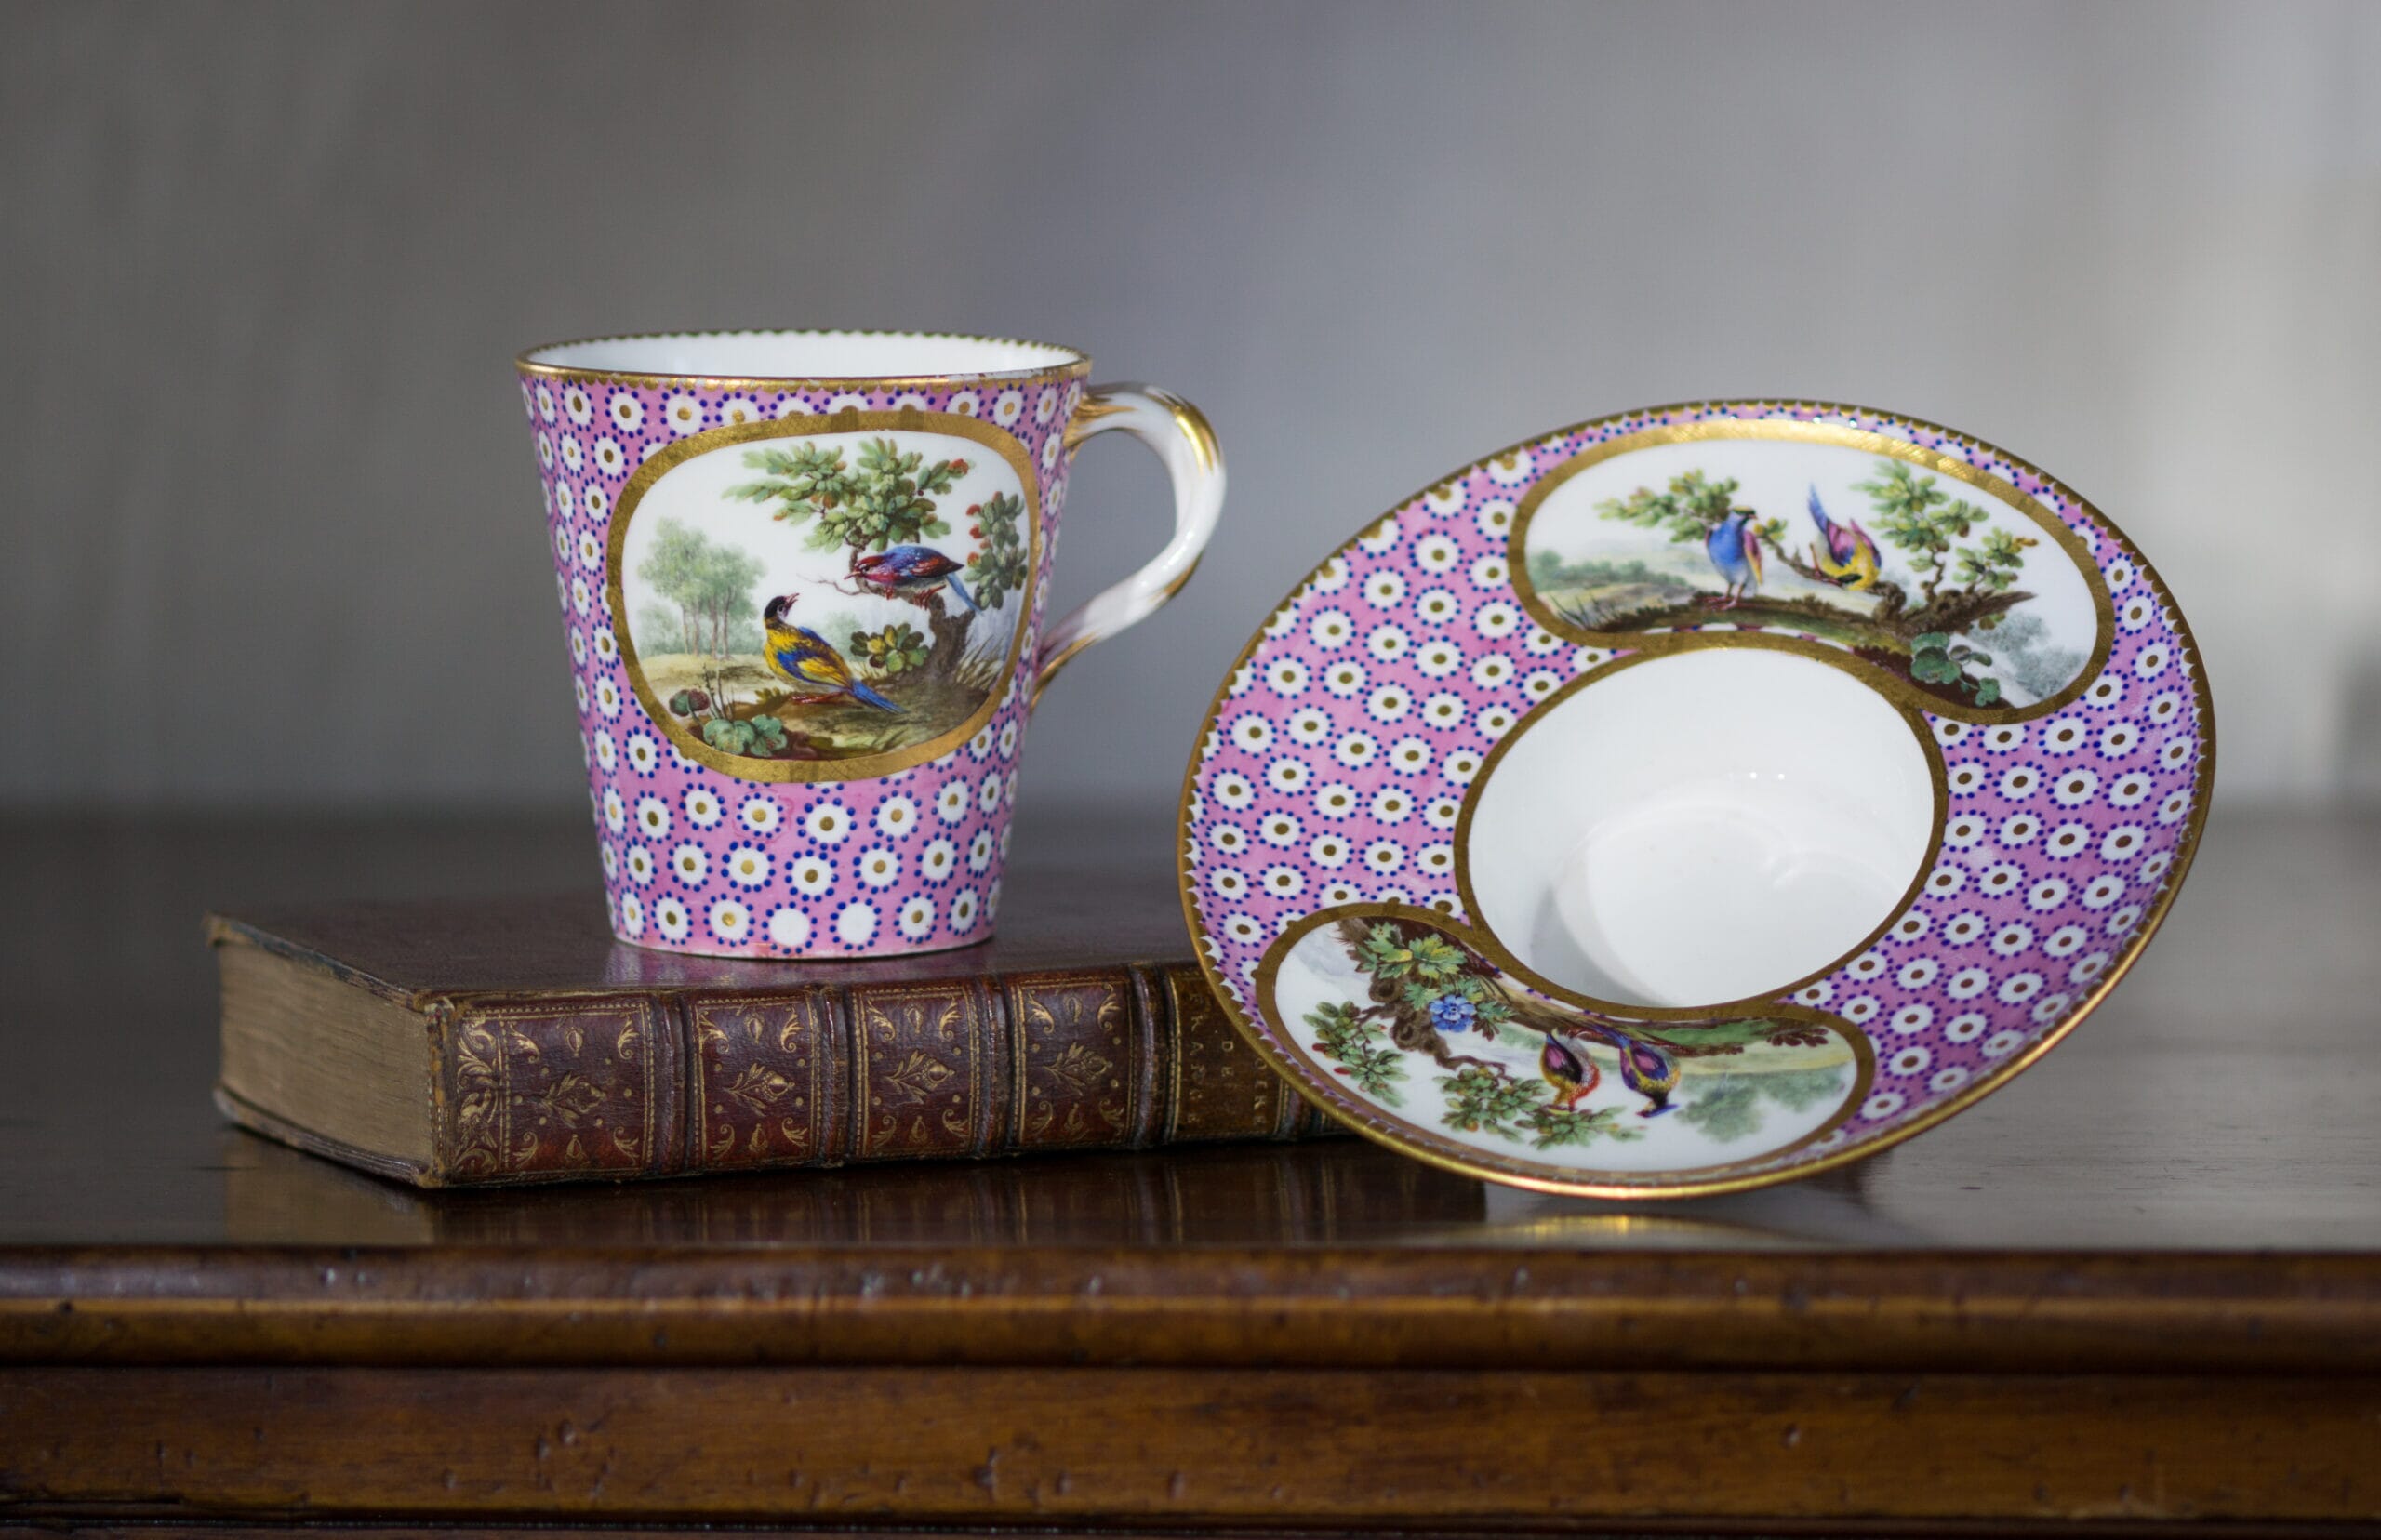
column 803, row 576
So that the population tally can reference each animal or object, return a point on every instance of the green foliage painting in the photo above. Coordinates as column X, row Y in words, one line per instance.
column 1911, row 581
column 1513, row 1066
column 1688, row 509
column 1486, row 1099
column 1913, row 513
column 895, row 649
column 884, row 496
column 997, row 570
column 823, row 596
column 760, row 736
column 710, row 585
column 1732, row 1109
column 1357, row 1042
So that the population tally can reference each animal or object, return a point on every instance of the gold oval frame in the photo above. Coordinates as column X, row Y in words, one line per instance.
column 1414, row 1140
column 909, row 419
column 1938, row 780
column 2185, row 850
column 1838, row 436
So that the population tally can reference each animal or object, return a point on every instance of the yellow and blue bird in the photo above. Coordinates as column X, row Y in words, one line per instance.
column 810, row 663
column 1735, row 550
column 1844, row 553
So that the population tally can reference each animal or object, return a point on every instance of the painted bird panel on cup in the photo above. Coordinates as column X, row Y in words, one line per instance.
column 1962, row 594
column 1407, row 1013
column 810, row 606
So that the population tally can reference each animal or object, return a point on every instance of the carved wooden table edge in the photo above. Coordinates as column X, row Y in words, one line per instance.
column 1450, row 1307
column 1222, row 1391
column 1192, row 1449
column 1782, row 1529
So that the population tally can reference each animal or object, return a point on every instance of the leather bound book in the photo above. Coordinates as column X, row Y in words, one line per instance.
column 498, row 1041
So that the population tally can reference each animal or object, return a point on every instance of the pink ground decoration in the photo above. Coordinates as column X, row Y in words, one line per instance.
column 699, row 860
column 1343, row 746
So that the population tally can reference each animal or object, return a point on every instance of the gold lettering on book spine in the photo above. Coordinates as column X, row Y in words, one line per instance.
column 1221, row 1090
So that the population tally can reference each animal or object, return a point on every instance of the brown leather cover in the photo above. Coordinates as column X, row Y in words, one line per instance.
column 556, row 1053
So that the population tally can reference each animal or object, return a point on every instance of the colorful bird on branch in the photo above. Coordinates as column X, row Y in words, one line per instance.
column 911, row 572
column 1734, row 549
column 810, row 663
column 1844, row 553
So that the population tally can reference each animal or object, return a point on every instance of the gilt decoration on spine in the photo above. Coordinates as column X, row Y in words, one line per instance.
column 759, row 1080
column 546, row 1088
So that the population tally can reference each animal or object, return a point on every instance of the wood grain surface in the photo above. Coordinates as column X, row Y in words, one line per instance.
column 2137, row 1291
column 1191, row 1446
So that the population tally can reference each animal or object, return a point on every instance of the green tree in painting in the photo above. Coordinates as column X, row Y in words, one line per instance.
column 1993, row 566
column 1916, row 514
column 1731, row 1108
column 670, row 566
column 884, row 496
column 725, row 592
column 710, row 585
column 1963, row 572
column 998, row 569
column 1689, row 508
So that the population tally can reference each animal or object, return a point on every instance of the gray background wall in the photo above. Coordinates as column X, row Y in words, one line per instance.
column 272, row 528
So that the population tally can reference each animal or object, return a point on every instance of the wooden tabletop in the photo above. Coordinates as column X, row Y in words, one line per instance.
column 2140, row 1285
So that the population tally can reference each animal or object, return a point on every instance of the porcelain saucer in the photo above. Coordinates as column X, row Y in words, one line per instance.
column 1696, row 798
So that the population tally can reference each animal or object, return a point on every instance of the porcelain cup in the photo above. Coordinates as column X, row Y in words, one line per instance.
column 803, row 576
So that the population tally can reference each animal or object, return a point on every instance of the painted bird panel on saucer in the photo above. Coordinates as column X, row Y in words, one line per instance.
column 1961, row 592
column 1410, row 1018
column 826, row 606
column 1857, row 673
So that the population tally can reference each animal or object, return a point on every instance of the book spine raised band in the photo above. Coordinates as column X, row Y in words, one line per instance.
column 561, row 1087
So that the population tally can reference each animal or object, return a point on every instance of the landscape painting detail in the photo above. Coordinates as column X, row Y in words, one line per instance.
column 827, row 596
column 1412, row 1019
column 1938, row 581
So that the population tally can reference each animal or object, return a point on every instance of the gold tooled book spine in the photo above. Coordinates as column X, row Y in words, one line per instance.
column 618, row 1085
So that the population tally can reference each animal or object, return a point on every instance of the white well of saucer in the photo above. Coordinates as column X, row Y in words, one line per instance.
column 1701, row 828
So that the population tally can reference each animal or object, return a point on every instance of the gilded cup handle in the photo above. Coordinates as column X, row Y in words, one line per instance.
column 1179, row 434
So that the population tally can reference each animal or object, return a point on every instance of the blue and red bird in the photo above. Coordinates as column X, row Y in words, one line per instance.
column 810, row 663
column 1844, row 553
column 1734, row 549
column 911, row 572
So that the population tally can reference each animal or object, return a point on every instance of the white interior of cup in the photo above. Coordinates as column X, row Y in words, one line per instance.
column 804, row 355
column 1701, row 828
